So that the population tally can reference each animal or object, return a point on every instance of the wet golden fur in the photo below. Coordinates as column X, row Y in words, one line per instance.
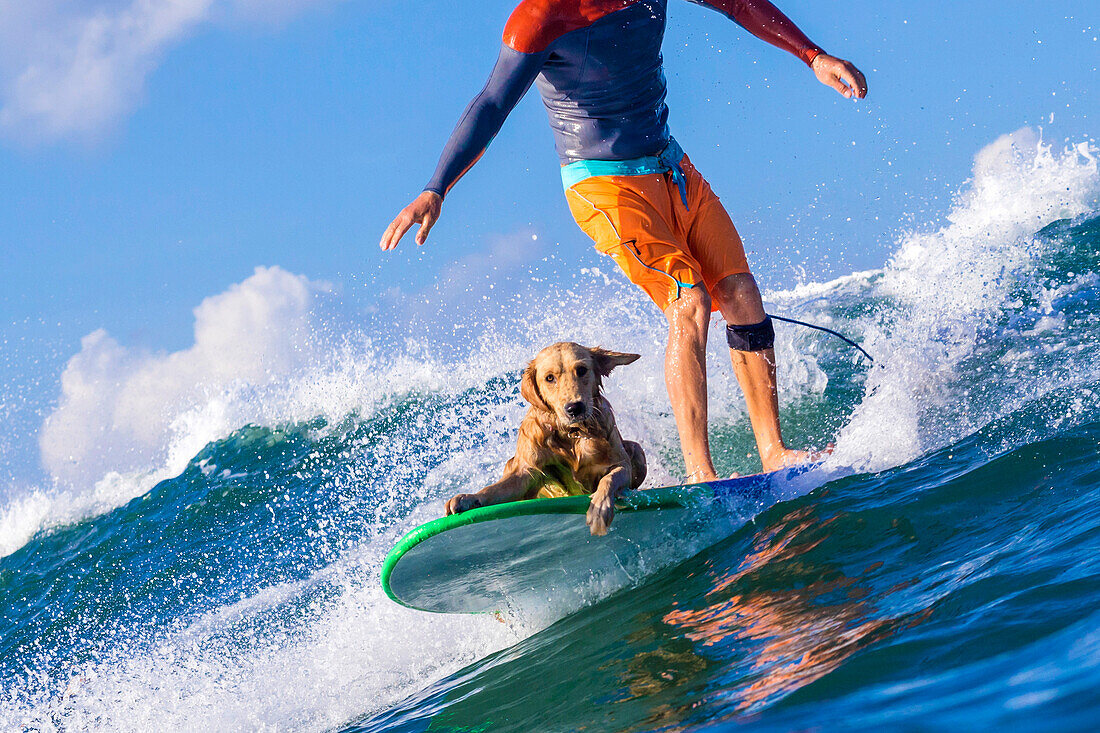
column 568, row 441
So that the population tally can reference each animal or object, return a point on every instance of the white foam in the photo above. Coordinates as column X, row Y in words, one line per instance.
column 943, row 287
column 340, row 659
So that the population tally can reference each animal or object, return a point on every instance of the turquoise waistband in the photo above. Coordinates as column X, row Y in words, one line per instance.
column 667, row 161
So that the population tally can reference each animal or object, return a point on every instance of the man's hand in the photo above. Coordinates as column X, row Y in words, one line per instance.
column 841, row 75
column 423, row 211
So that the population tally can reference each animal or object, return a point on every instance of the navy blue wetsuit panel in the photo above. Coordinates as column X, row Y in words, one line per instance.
column 604, row 87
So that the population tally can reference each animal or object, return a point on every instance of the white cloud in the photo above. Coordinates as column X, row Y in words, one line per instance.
column 121, row 409
column 72, row 69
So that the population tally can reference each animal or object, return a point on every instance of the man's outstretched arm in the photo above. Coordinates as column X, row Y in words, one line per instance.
column 768, row 23
column 511, row 78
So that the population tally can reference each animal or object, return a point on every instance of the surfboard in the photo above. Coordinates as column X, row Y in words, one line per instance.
column 539, row 551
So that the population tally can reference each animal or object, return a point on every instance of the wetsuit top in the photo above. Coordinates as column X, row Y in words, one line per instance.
column 598, row 67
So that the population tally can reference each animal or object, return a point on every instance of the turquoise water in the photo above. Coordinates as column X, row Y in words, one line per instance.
column 948, row 575
column 960, row 590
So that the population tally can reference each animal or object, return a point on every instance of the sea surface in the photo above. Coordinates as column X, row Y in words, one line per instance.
column 207, row 555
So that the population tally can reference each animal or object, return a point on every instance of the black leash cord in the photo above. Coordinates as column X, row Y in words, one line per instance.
column 840, row 336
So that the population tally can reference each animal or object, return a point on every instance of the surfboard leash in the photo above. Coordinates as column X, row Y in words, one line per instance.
column 840, row 336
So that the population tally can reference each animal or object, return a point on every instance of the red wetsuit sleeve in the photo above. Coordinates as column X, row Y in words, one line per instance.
column 768, row 23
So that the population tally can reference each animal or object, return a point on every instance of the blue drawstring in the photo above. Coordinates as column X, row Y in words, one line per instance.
column 670, row 158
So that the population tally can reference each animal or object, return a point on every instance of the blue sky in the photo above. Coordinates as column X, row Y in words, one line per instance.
column 154, row 153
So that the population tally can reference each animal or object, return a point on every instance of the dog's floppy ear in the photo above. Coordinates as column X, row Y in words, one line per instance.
column 530, row 390
column 608, row 360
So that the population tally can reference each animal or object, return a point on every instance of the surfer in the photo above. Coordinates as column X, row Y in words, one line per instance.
column 630, row 187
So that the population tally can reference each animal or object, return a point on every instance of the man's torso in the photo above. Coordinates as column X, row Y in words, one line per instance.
column 602, row 80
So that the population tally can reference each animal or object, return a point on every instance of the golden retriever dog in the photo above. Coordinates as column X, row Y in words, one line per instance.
column 568, row 442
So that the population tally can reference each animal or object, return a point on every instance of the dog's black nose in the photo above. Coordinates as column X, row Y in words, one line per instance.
column 574, row 409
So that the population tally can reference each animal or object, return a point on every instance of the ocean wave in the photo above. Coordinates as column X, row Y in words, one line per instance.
column 209, row 545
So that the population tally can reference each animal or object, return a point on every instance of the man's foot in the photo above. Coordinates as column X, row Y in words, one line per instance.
column 701, row 476
column 786, row 457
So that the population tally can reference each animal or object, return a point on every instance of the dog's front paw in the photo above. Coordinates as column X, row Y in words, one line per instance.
column 600, row 512
column 462, row 503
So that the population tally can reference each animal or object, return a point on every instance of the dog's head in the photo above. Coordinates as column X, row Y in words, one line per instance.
column 565, row 379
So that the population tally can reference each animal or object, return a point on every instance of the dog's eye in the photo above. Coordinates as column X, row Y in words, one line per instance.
column 582, row 370
column 550, row 378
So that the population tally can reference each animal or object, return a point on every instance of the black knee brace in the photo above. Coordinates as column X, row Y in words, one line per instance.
column 755, row 337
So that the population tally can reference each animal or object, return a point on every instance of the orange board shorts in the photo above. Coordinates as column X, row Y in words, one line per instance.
column 661, row 245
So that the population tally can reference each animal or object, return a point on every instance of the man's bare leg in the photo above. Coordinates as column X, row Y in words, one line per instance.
column 686, row 377
column 739, row 301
